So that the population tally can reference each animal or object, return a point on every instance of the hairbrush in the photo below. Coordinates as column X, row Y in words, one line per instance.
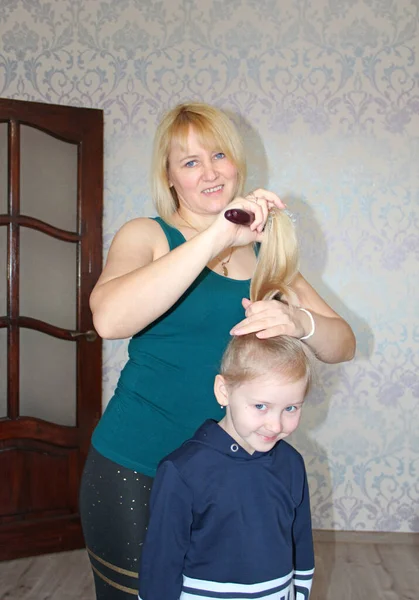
column 239, row 216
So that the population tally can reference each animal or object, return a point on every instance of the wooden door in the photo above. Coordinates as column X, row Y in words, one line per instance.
column 51, row 187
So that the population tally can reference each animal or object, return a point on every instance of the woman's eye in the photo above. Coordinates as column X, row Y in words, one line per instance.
column 190, row 163
column 260, row 406
column 219, row 155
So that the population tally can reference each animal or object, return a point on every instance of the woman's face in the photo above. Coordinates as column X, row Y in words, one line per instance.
column 205, row 180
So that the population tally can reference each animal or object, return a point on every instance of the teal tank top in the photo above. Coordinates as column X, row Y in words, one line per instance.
column 165, row 391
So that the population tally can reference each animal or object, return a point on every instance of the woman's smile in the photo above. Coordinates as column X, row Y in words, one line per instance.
column 213, row 190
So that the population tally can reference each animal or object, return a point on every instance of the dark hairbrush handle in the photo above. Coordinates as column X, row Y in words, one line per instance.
column 239, row 216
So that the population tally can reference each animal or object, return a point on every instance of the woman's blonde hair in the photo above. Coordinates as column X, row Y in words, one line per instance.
column 213, row 128
column 248, row 357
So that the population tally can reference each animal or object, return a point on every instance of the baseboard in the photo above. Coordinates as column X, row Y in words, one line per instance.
column 326, row 536
column 365, row 537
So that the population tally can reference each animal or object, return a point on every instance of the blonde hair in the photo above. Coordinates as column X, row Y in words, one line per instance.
column 248, row 357
column 278, row 260
column 213, row 128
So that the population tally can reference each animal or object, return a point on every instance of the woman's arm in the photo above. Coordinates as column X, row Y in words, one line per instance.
column 140, row 281
column 333, row 340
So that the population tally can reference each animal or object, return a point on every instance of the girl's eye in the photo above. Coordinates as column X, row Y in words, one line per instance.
column 260, row 406
column 291, row 408
column 219, row 155
column 190, row 163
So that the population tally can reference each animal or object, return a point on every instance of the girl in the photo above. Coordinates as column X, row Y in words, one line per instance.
column 230, row 512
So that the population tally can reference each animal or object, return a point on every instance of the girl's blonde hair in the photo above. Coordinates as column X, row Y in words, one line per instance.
column 278, row 260
column 214, row 130
column 248, row 357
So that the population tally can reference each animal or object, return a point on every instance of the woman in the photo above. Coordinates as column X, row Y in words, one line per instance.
column 179, row 284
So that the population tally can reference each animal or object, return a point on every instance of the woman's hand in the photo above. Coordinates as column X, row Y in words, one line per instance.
column 258, row 202
column 265, row 200
column 270, row 318
column 332, row 341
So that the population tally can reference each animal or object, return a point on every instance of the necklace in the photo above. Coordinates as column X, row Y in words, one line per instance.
column 225, row 262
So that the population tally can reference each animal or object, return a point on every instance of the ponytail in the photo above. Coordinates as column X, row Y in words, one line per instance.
column 247, row 356
column 278, row 260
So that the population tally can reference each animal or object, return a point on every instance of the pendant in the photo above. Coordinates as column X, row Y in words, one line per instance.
column 225, row 270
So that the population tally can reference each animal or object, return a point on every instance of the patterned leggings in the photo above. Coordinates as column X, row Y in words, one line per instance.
column 114, row 514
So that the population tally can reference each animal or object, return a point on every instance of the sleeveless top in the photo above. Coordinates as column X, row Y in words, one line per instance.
column 165, row 391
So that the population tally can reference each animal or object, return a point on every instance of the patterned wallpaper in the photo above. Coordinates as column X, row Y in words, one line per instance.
column 325, row 93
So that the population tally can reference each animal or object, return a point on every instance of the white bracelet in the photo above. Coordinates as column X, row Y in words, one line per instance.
column 313, row 324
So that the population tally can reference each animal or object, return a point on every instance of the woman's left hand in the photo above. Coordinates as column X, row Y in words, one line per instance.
column 270, row 318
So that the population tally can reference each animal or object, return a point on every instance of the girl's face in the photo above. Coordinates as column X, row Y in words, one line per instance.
column 204, row 178
column 261, row 412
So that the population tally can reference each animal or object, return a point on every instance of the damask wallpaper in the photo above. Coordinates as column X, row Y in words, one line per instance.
column 325, row 93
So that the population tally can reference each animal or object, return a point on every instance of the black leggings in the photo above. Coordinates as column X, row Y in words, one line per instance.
column 114, row 514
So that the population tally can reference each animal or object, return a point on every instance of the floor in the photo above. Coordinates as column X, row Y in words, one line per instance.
column 344, row 571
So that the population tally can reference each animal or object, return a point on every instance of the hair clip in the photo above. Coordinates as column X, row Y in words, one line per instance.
column 271, row 214
column 290, row 215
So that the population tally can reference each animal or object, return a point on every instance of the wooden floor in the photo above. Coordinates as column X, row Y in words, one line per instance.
column 344, row 571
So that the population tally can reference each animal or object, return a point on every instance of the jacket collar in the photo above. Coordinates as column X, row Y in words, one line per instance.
column 210, row 433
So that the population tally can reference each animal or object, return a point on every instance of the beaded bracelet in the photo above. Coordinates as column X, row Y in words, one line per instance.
column 313, row 324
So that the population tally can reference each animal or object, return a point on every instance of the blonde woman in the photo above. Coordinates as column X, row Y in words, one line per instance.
column 178, row 285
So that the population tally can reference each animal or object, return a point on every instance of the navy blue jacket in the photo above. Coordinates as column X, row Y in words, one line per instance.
column 228, row 524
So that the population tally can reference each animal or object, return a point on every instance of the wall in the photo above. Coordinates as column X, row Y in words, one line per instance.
column 326, row 96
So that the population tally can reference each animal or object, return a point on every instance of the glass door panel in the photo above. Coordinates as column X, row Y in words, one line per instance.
column 3, row 271
column 48, row 178
column 48, row 278
column 47, row 377
column 3, row 372
column 3, row 168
